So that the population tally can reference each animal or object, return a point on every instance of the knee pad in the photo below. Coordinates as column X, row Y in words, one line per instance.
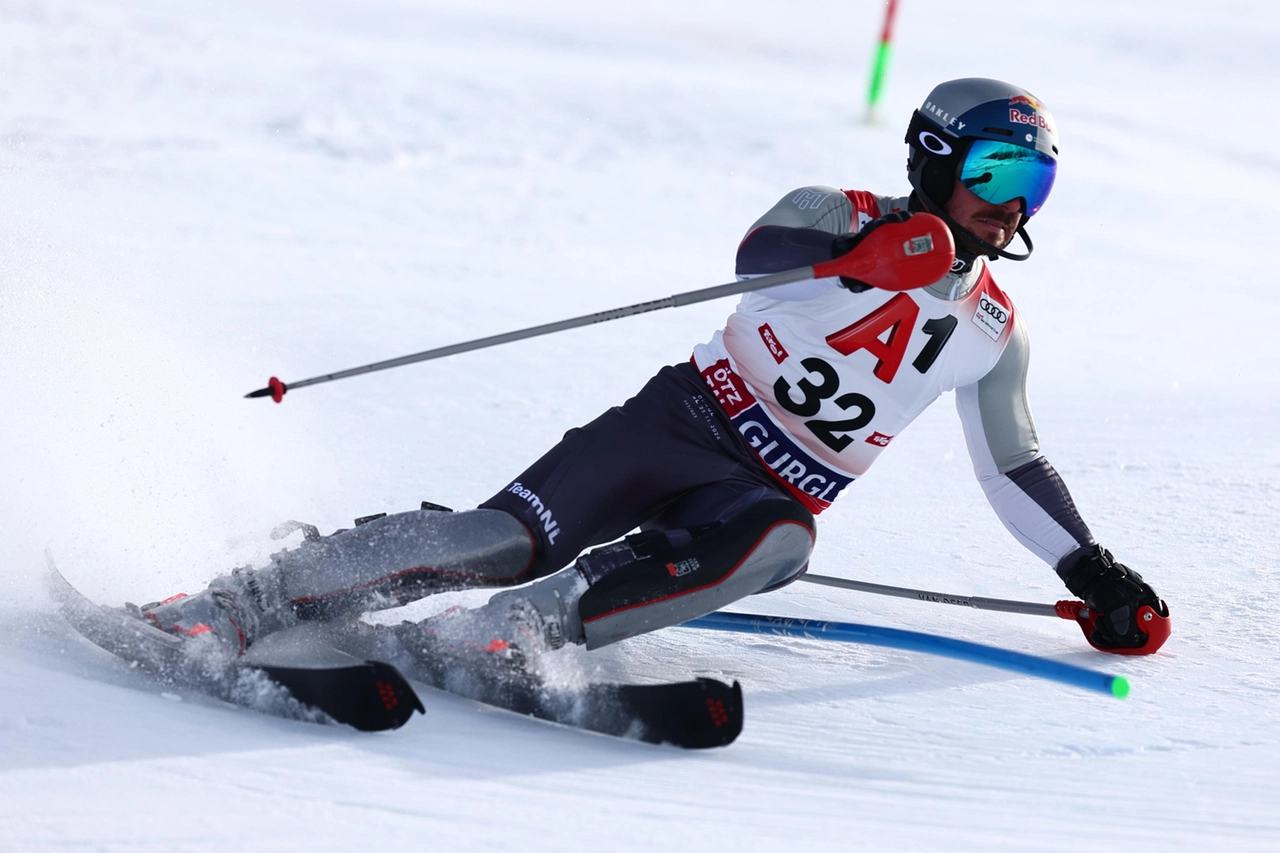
column 661, row 578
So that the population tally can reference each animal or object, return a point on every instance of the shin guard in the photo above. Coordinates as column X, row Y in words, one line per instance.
column 657, row 579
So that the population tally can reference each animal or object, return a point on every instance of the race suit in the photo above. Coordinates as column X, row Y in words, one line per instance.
column 820, row 379
column 813, row 381
column 723, row 461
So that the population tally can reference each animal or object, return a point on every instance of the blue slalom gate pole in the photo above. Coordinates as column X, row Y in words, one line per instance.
column 914, row 641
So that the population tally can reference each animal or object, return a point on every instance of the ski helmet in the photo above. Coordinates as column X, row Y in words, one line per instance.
column 996, row 138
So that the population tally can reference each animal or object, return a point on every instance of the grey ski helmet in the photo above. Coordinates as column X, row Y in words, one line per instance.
column 996, row 138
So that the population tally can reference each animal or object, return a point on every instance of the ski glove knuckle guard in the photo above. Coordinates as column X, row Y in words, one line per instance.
column 846, row 243
column 1117, row 594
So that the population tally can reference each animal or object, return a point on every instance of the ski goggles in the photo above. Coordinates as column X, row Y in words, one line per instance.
column 999, row 172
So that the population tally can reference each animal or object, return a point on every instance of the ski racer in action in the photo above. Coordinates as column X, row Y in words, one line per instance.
column 722, row 462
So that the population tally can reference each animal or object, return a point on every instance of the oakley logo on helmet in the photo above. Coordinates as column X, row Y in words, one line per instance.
column 934, row 143
column 942, row 115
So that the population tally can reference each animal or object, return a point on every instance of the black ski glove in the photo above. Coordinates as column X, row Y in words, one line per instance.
column 846, row 243
column 1116, row 594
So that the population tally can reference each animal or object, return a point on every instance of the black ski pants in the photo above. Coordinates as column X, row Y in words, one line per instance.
column 667, row 459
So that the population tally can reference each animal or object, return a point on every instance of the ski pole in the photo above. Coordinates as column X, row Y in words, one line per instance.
column 913, row 641
column 898, row 255
column 1071, row 610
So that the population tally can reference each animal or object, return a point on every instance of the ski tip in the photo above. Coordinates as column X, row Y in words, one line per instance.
column 58, row 586
column 1119, row 686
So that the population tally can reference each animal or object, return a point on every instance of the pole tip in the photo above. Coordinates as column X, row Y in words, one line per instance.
column 275, row 390
column 1119, row 686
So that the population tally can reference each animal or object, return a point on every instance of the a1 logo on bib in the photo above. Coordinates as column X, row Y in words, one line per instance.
column 991, row 317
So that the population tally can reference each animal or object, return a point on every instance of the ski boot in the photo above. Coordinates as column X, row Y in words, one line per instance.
column 234, row 611
column 513, row 629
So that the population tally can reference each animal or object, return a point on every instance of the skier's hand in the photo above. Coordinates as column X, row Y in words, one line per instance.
column 846, row 243
column 1126, row 615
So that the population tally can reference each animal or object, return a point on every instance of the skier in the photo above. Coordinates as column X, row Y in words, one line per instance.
column 722, row 462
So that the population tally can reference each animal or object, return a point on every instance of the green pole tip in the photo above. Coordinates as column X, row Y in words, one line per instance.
column 1119, row 686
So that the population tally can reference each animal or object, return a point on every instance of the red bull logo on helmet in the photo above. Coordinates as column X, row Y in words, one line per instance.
column 1036, row 118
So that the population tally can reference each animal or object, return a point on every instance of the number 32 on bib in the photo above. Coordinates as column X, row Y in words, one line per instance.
column 886, row 335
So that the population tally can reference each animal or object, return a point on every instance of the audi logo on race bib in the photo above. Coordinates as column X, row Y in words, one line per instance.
column 997, row 313
column 991, row 317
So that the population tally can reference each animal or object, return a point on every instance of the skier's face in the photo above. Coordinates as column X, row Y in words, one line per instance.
column 995, row 223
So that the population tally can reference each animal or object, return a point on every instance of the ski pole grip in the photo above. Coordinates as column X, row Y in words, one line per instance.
column 901, row 255
column 1071, row 610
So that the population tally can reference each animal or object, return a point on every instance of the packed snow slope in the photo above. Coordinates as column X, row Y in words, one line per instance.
column 198, row 196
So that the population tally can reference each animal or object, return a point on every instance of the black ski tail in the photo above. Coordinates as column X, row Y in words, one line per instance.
column 371, row 697
column 691, row 714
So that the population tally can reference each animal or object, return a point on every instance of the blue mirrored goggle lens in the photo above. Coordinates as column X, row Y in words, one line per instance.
column 1001, row 171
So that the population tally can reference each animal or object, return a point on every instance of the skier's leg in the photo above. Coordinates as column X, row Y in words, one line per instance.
column 662, row 578
column 383, row 563
column 400, row 558
column 721, row 502
column 627, row 466
column 599, row 482
column 651, row 580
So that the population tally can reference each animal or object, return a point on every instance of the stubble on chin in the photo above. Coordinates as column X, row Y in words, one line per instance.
column 965, row 244
column 1008, row 229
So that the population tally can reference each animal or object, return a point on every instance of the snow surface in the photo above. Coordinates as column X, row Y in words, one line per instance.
column 196, row 196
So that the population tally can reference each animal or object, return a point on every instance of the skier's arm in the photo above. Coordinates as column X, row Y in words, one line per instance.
column 795, row 232
column 1022, row 487
column 1034, row 505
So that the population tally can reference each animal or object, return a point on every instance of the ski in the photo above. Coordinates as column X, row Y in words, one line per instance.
column 319, row 672
column 696, row 714
column 291, row 676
